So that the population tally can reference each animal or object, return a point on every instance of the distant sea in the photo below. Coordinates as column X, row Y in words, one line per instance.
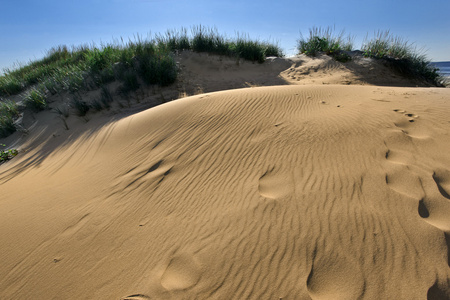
column 444, row 67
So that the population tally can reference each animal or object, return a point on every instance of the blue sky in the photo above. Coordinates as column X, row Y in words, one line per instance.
column 29, row 28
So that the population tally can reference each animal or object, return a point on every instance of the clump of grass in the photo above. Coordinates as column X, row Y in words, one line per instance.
column 63, row 114
column 209, row 40
column 157, row 68
column 8, row 113
column 96, row 104
column 100, row 59
column 80, row 106
column 130, row 82
column 206, row 39
column 272, row 50
column 106, row 97
column 384, row 44
column 10, row 85
column 7, row 154
column 249, row 49
column 325, row 41
column 174, row 40
column 402, row 56
column 35, row 99
column 342, row 56
column 73, row 78
column 8, row 107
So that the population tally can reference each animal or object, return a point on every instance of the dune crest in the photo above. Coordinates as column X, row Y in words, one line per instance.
column 291, row 192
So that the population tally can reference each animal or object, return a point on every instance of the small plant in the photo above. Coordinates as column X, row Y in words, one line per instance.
column 96, row 104
column 130, row 82
column 35, row 100
column 248, row 49
column 8, row 113
column 63, row 114
column 272, row 50
column 159, row 68
column 51, row 85
column 99, row 59
column 342, row 56
column 105, row 97
column 8, row 107
column 10, row 85
column 6, row 155
column 79, row 105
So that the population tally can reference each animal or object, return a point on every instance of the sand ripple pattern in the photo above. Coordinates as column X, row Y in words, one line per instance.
column 290, row 192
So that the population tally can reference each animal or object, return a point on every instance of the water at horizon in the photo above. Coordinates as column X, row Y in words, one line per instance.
column 444, row 67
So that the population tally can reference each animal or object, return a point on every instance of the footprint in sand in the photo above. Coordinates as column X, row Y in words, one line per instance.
column 438, row 292
column 335, row 278
column 182, row 273
column 274, row 185
column 404, row 181
column 442, row 180
column 435, row 206
column 400, row 157
column 438, row 220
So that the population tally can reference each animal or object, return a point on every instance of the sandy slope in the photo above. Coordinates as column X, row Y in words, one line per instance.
column 292, row 192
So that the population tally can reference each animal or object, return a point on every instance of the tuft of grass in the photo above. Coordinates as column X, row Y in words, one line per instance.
column 384, row 44
column 100, row 59
column 63, row 114
column 342, row 56
column 174, row 40
column 157, row 68
column 205, row 39
column 402, row 56
column 249, row 49
column 80, row 106
column 106, row 97
column 8, row 107
column 96, row 104
column 272, row 50
column 7, row 154
column 130, row 82
column 10, row 85
column 325, row 41
column 8, row 113
column 35, row 100
column 73, row 79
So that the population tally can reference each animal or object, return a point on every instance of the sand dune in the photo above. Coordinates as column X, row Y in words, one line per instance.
column 284, row 192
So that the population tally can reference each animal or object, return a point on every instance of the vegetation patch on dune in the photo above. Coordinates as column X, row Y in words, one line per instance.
column 322, row 40
column 396, row 52
column 402, row 56
column 7, row 154
column 8, row 113
column 87, row 67
column 134, row 63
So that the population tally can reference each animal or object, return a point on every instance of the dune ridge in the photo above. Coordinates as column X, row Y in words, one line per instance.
column 284, row 192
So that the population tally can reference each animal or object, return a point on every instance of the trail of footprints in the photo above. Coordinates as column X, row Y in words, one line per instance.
column 411, row 117
column 432, row 193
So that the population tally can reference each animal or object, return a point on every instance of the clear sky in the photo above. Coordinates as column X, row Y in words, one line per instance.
column 30, row 27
